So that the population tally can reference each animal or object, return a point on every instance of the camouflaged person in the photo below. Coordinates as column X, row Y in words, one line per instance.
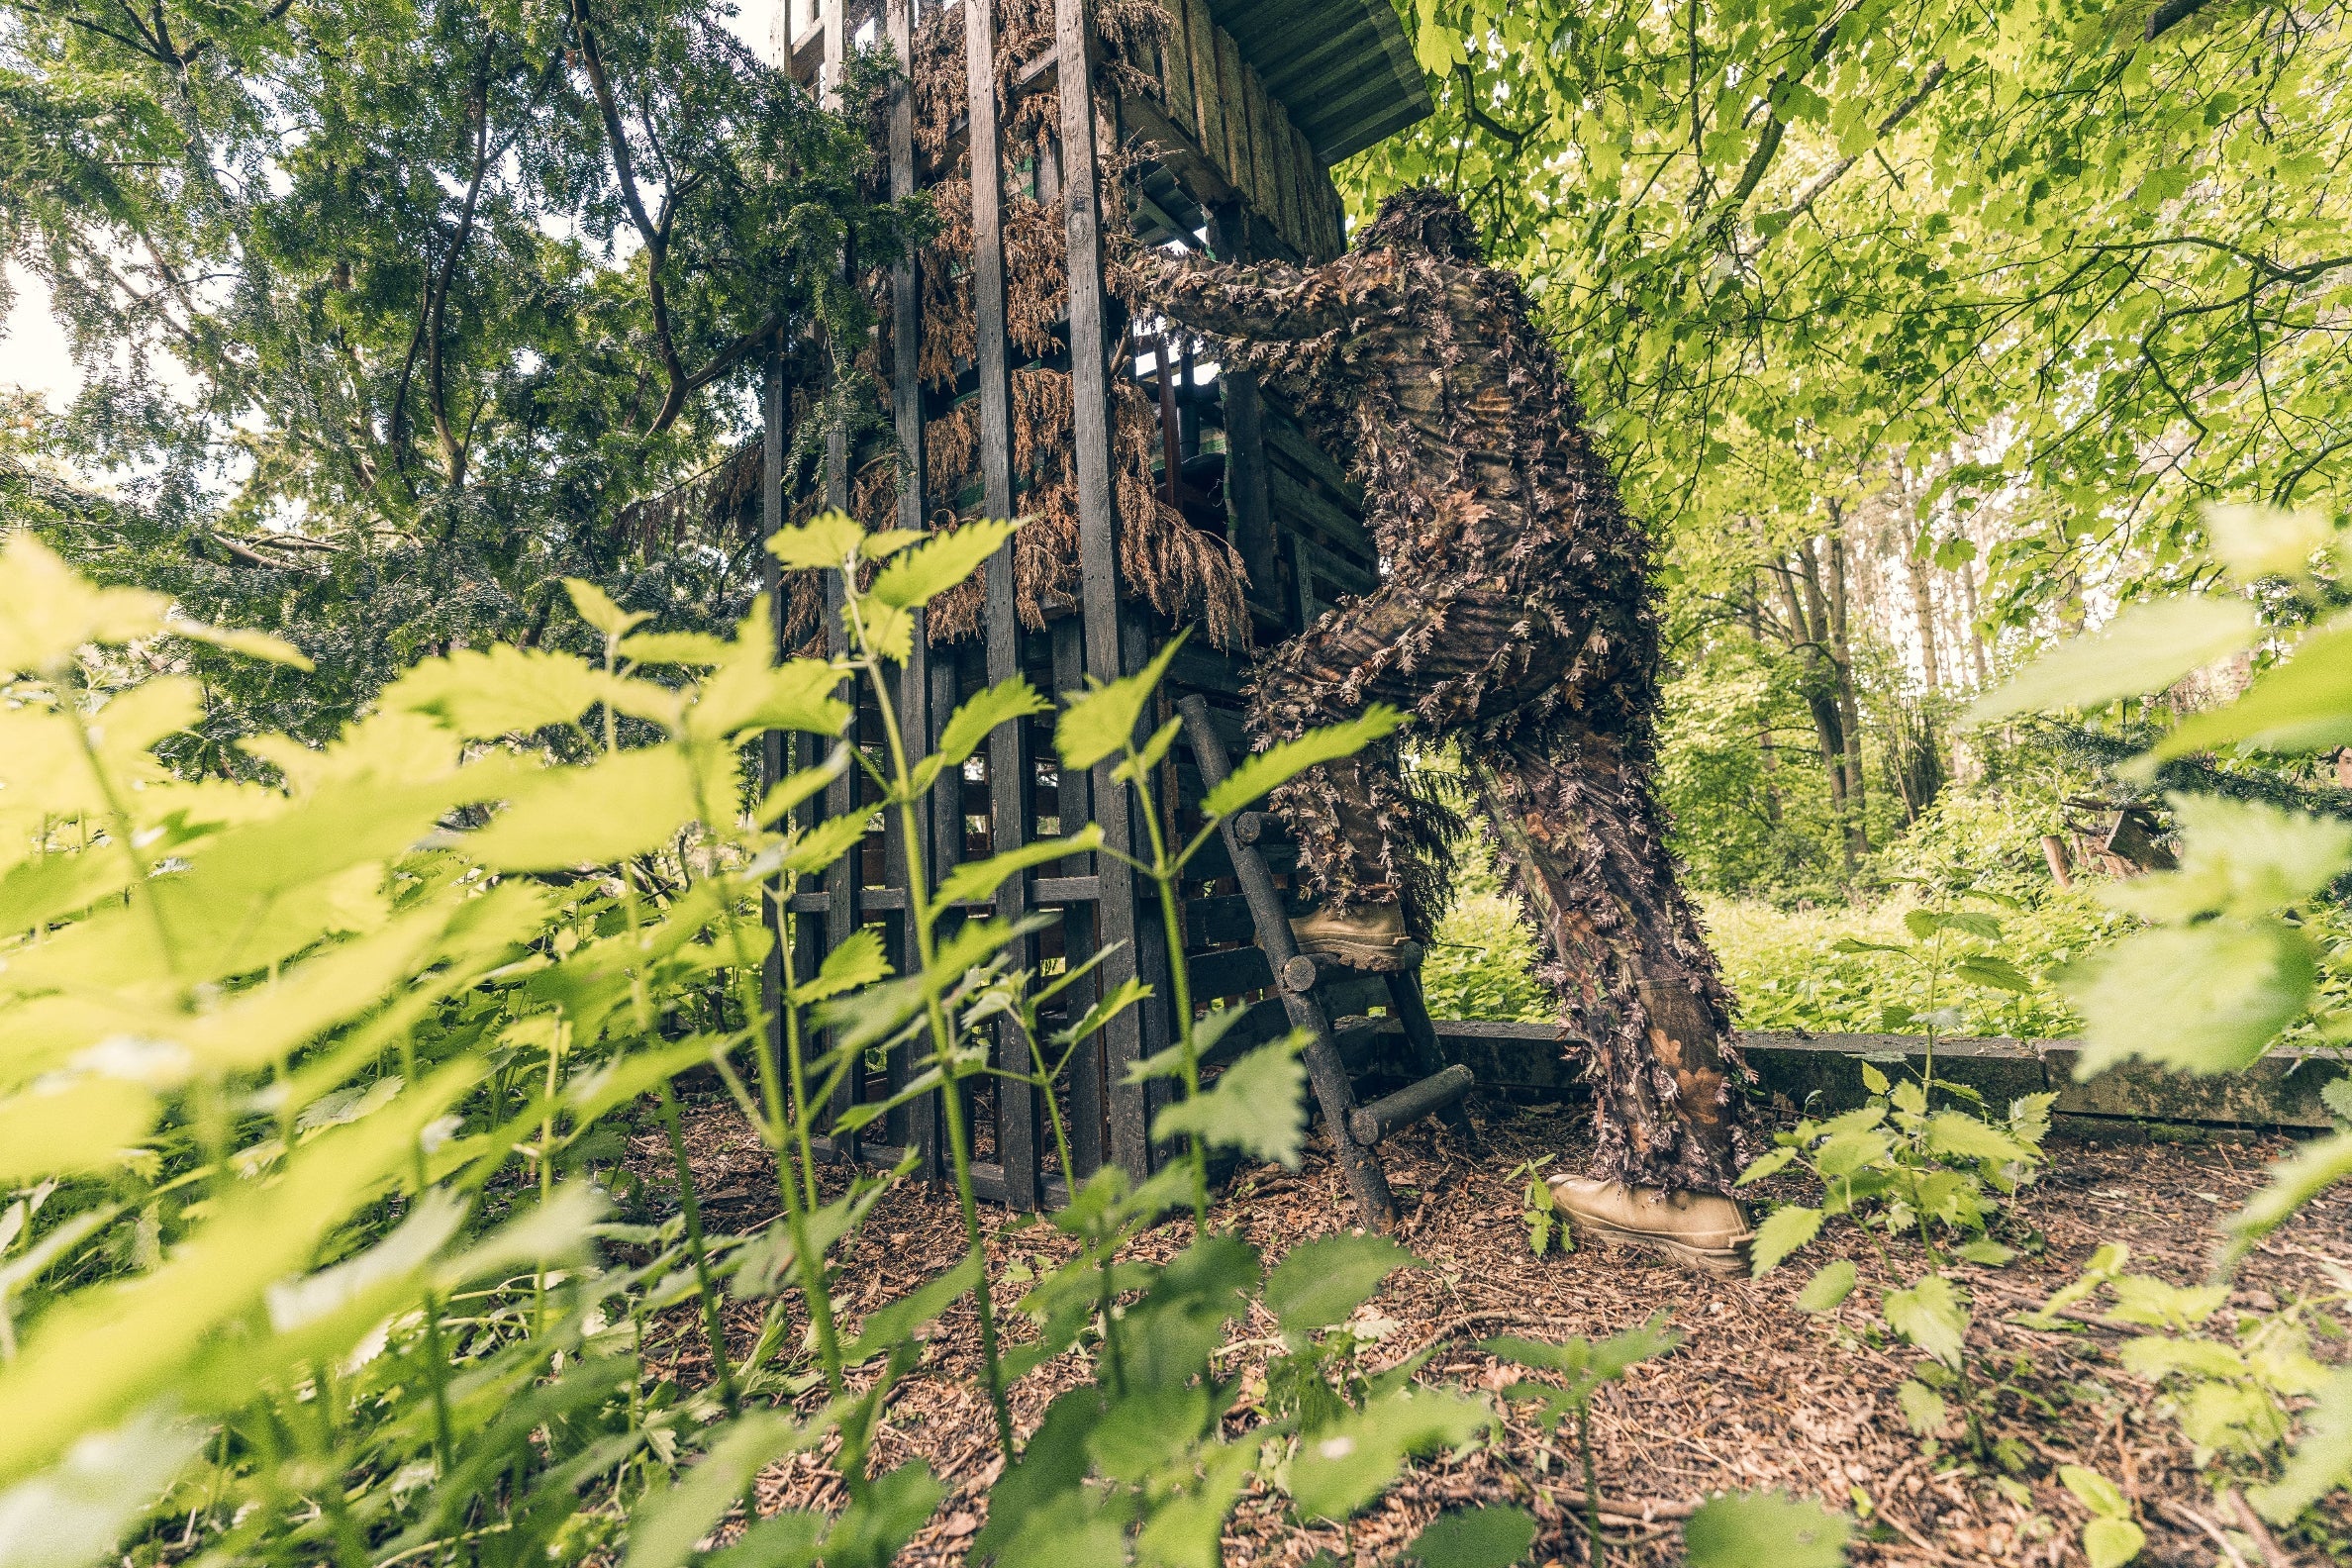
column 1515, row 615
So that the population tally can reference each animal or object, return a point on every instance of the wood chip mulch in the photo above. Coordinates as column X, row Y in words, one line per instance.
column 1758, row 1396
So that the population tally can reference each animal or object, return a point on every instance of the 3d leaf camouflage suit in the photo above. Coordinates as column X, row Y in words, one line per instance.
column 1515, row 615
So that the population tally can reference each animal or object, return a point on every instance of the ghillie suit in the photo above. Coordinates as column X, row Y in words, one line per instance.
column 1514, row 614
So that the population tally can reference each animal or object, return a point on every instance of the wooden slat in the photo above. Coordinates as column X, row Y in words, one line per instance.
column 1207, row 85
column 1176, row 57
column 1306, row 506
column 1229, row 972
column 1235, row 119
column 1009, row 764
column 1098, row 553
column 1089, row 1142
column 1248, row 502
column 1262, row 143
column 1222, row 919
column 1281, row 150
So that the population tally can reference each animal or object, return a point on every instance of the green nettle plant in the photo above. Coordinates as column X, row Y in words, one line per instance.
column 315, row 1248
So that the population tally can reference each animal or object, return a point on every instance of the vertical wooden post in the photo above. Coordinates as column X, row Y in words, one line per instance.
column 1075, row 805
column 775, row 756
column 1098, row 552
column 1011, row 762
column 927, row 857
column 1246, row 501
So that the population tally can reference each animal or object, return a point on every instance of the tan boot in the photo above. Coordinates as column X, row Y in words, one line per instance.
column 1367, row 937
column 1699, row 1230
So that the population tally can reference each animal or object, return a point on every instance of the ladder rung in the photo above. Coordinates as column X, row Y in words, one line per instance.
column 1307, row 970
column 1372, row 1123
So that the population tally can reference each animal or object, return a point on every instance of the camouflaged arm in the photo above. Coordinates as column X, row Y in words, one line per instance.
column 1258, row 302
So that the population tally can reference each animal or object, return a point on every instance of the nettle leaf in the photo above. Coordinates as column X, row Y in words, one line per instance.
column 1103, row 722
column 919, row 575
column 856, row 961
column 1765, row 1529
column 665, row 1526
column 1783, row 1231
column 1322, row 1282
column 2203, row 999
column 887, row 1327
column 1831, row 1285
column 2295, row 1181
column 2323, row 1459
column 970, row 726
column 675, row 647
column 2336, row 1095
column 596, row 606
column 1493, row 1536
column 2094, row 1492
column 77, row 1127
column 801, row 787
column 1993, row 973
column 1769, row 1163
column 975, row 881
column 623, row 805
column 1263, row 771
column 502, row 690
column 1951, row 1133
column 829, row 542
column 832, row 838
column 2240, row 857
column 76, row 1511
column 2145, row 648
column 1924, row 1410
column 1356, row 1458
column 2112, row 1542
column 1931, row 1315
column 2304, row 705
column 1255, row 1106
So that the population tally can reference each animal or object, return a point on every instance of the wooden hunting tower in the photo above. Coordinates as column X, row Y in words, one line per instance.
column 1167, row 490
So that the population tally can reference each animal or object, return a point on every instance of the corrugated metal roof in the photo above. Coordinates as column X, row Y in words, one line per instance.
column 1341, row 67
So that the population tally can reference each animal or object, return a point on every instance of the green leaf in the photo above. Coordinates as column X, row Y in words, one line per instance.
column 790, row 1540
column 2240, row 857
column 1353, row 1460
column 1255, row 1106
column 1931, row 1316
column 820, row 847
column 2336, row 1095
column 1993, row 973
column 1263, row 771
column 1493, row 1536
column 2302, row 705
column 501, row 691
column 2094, row 1492
column 625, row 804
column 2267, row 541
column 2322, row 1457
column 76, row 1511
column 2204, row 998
column 975, row 881
column 826, row 542
column 1990, row 1253
column 665, row 1527
column 598, row 610
column 1765, row 1529
column 1769, row 1163
column 1831, row 1285
column 1873, row 1080
column 2111, row 1542
column 1955, row 1133
column 1924, row 1410
column 2145, row 648
column 970, row 726
column 800, row 787
column 1322, row 1282
column 917, row 576
column 675, row 647
column 1783, row 1231
column 71, row 1128
column 889, row 1326
column 1103, row 722
column 1848, row 1153
column 856, row 961
column 2295, row 1182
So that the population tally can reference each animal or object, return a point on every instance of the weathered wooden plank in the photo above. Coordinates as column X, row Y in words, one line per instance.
column 1229, row 972
column 1091, row 342
column 1307, row 507
column 775, row 746
column 1261, row 147
column 1176, row 58
column 1235, row 127
column 1207, row 85
column 1010, row 763
column 1282, row 154
column 1088, row 1099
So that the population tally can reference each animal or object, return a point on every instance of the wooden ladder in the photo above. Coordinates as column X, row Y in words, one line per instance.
column 1357, row 1129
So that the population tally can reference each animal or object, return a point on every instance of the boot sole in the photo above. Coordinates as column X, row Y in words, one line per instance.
column 1718, row 1262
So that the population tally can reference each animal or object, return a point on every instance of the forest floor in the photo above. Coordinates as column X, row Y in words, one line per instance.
column 1758, row 1396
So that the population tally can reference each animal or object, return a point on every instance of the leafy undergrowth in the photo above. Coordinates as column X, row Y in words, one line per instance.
column 1757, row 1396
